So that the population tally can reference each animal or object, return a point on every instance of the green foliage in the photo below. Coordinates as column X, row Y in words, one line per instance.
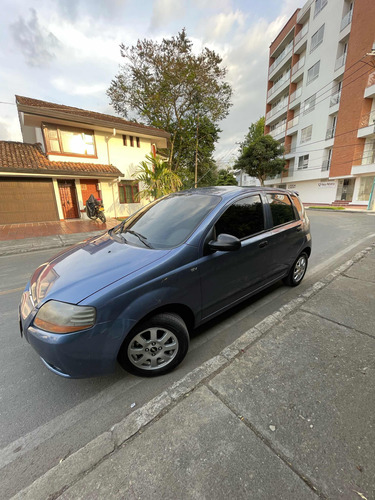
column 169, row 86
column 256, row 130
column 262, row 158
column 226, row 179
column 157, row 177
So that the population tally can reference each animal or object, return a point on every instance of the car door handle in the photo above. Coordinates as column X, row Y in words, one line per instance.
column 299, row 228
column 263, row 244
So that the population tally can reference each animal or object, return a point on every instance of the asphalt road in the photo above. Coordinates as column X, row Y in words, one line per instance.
column 44, row 418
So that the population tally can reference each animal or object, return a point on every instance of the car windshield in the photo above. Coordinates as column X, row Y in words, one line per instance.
column 168, row 222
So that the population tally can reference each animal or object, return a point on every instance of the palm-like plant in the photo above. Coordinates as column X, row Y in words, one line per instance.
column 157, row 178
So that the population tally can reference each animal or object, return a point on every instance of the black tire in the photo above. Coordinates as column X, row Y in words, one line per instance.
column 297, row 271
column 102, row 217
column 166, row 340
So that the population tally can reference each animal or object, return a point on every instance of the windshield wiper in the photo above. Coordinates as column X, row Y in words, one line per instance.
column 139, row 236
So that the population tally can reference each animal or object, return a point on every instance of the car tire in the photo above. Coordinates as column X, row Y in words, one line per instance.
column 102, row 217
column 155, row 346
column 297, row 271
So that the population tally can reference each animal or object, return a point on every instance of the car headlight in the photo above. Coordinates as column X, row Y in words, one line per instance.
column 60, row 317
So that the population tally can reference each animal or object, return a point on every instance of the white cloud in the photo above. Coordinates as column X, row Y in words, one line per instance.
column 71, row 87
column 222, row 24
column 165, row 11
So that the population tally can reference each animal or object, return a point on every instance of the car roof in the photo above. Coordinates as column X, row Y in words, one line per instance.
column 228, row 192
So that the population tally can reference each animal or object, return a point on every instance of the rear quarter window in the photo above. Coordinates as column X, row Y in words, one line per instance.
column 297, row 203
column 281, row 208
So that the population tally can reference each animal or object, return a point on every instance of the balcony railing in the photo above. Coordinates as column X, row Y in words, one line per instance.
column 293, row 122
column 278, row 84
column 368, row 157
column 325, row 165
column 296, row 94
column 281, row 56
column 299, row 64
column 346, row 20
column 301, row 34
column 367, row 120
column 335, row 99
column 330, row 134
column 276, row 109
column 304, row 9
column 278, row 130
column 340, row 61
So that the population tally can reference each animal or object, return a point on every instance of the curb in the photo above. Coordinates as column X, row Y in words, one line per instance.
column 58, row 479
column 347, row 211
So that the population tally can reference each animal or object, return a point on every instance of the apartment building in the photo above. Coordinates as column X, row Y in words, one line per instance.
column 321, row 101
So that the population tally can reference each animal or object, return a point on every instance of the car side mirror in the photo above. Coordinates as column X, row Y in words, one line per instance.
column 225, row 243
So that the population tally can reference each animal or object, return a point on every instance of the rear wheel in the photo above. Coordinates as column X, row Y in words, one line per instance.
column 102, row 216
column 156, row 346
column 297, row 271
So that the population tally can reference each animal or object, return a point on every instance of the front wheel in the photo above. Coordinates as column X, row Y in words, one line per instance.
column 297, row 271
column 156, row 346
column 101, row 216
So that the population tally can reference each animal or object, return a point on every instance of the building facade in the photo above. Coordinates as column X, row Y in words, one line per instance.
column 68, row 154
column 321, row 101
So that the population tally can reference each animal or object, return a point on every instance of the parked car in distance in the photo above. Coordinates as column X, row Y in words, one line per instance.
column 134, row 293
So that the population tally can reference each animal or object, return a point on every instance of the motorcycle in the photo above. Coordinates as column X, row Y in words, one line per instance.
column 95, row 209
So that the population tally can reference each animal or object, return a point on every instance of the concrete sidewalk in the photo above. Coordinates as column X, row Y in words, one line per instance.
column 285, row 412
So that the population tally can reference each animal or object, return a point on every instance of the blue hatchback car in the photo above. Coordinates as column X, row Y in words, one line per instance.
column 133, row 294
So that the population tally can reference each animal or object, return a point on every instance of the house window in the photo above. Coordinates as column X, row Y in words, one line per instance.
column 128, row 192
column 69, row 141
column 138, row 142
column 317, row 38
column 313, row 72
column 309, row 104
column 365, row 188
column 319, row 5
column 306, row 134
column 124, row 140
column 131, row 140
column 303, row 162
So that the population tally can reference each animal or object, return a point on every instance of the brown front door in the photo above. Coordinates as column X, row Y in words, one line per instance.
column 68, row 198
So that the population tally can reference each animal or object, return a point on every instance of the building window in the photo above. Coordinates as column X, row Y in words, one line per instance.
column 319, row 5
column 303, row 162
column 313, row 72
column 124, row 140
column 317, row 38
column 69, row 141
column 306, row 134
column 365, row 187
column 309, row 104
column 131, row 140
column 138, row 142
column 128, row 192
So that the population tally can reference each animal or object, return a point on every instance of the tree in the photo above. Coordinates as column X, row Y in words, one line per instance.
column 168, row 86
column 226, row 179
column 256, row 130
column 157, row 177
column 262, row 158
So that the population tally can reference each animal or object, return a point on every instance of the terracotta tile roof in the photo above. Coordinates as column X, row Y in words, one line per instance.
column 106, row 120
column 22, row 157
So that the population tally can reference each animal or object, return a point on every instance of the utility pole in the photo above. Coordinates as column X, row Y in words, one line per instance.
column 196, row 156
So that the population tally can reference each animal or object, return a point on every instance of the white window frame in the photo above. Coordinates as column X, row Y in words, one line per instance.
column 309, row 104
column 319, row 5
column 306, row 134
column 302, row 165
column 313, row 72
column 317, row 38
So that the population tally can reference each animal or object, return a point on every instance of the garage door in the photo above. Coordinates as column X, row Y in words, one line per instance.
column 27, row 200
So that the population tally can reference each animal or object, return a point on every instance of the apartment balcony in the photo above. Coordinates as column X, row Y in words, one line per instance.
column 289, row 152
column 370, row 89
column 297, row 70
column 292, row 126
column 304, row 13
column 295, row 98
column 278, row 132
column 279, row 86
column 367, row 125
column 276, row 112
column 301, row 39
column 334, row 102
column 340, row 63
column 346, row 20
column 330, row 134
column 326, row 165
column 367, row 166
column 282, row 57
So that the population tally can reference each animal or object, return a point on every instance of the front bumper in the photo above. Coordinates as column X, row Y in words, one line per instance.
column 87, row 353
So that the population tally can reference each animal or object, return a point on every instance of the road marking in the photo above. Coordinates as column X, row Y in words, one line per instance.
column 13, row 290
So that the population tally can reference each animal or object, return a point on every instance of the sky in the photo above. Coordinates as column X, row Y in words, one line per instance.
column 67, row 51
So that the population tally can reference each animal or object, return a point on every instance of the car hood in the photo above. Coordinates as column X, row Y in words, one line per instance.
column 82, row 270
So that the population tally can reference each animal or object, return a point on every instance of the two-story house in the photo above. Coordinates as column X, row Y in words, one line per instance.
column 68, row 154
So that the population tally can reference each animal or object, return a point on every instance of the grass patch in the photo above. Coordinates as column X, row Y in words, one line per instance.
column 327, row 208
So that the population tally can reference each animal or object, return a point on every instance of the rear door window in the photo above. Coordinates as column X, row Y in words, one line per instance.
column 242, row 219
column 281, row 208
column 297, row 203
